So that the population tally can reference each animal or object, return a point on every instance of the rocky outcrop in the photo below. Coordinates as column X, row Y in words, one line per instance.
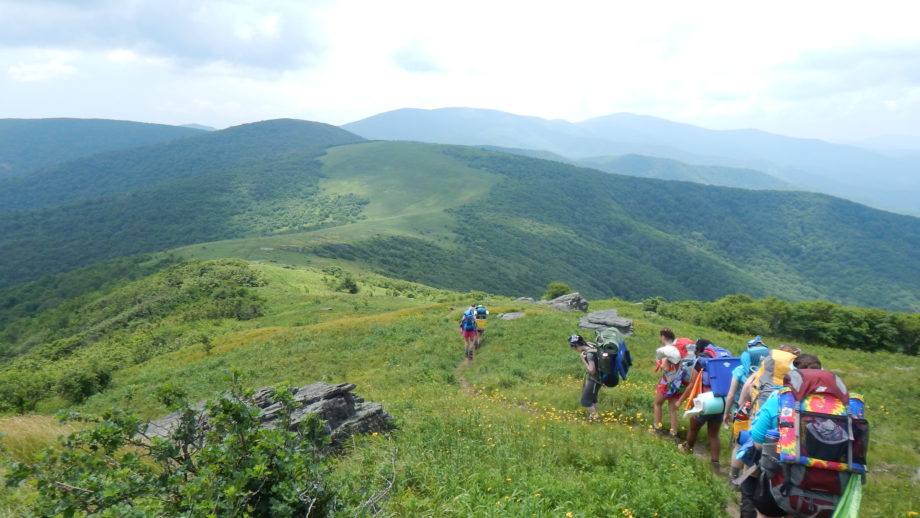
column 606, row 318
column 512, row 316
column 570, row 302
column 344, row 413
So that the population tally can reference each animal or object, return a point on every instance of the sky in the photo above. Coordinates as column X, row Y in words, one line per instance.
column 838, row 70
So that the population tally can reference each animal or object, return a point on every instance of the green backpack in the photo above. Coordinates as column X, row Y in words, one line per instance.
column 608, row 346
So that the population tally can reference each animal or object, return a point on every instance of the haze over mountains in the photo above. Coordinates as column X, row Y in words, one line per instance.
column 866, row 176
column 457, row 217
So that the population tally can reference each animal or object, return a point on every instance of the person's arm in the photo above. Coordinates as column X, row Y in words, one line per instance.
column 766, row 420
column 726, row 418
column 746, row 390
column 686, row 393
column 589, row 365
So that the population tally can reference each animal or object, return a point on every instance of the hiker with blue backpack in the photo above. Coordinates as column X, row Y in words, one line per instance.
column 708, row 402
column 469, row 332
column 738, row 416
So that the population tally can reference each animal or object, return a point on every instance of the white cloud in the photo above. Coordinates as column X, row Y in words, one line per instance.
column 53, row 69
column 820, row 68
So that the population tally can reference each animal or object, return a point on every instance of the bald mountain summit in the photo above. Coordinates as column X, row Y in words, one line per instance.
column 452, row 217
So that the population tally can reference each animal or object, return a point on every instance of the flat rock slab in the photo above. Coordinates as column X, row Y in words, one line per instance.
column 606, row 318
column 570, row 302
column 343, row 412
column 512, row 316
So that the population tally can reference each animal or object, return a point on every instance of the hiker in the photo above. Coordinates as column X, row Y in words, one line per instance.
column 704, row 350
column 759, row 385
column 469, row 333
column 768, row 419
column 737, row 416
column 482, row 315
column 592, row 384
column 672, row 383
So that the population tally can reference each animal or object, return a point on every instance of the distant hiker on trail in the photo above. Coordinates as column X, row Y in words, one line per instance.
column 709, row 413
column 673, row 381
column 469, row 333
column 482, row 315
column 592, row 384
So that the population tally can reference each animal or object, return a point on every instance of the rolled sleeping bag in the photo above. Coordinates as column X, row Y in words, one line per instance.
column 706, row 403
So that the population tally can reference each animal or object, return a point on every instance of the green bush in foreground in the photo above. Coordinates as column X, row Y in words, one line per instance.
column 234, row 468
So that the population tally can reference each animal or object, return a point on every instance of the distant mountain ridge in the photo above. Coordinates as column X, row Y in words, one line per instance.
column 30, row 144
column 862, row 175
column 452, row 216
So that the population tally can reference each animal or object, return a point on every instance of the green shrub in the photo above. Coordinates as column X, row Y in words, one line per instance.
column 234, row 468
column 556, row 289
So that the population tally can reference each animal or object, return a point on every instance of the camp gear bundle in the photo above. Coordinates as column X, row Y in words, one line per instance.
column 822, row 443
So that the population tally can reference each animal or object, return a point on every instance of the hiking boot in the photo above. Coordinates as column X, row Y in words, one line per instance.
column 716, row 467
column 684, row 448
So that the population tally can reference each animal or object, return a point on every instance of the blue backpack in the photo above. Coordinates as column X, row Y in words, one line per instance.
column 707, row 365
column 469, row 322
column 481, row 312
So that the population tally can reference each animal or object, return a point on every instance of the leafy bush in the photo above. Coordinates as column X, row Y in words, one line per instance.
column 556, row 289
column 818, row 322
column 231, row 467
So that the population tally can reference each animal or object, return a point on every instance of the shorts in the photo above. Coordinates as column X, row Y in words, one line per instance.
column 711, row 418
column 662, row 389
column 589, row 392
column 468, row 335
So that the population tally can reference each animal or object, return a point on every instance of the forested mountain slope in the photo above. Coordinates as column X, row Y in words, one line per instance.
column 29, row 144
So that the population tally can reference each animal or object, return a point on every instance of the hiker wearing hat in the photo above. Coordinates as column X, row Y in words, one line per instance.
column 673, row 381
column 592, row 384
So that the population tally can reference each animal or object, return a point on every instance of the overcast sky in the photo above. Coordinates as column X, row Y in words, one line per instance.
column 826, row 69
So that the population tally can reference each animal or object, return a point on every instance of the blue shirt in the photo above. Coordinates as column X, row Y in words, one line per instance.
column 767, row 418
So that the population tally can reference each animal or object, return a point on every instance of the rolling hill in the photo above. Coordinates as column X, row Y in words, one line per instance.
column 454, row 217
column 862, row 175
column 29, row 144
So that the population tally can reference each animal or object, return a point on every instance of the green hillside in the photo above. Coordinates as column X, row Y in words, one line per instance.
column 30, row 144
column 241, row 149
column 503, row 436
column 459, row 218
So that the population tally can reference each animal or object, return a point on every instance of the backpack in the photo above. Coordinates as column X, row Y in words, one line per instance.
column 753, row 357
column 770, row 375
column 468, row 323
column 716, row 363
column 823, row 440
column 608, row 342
column 481, row 312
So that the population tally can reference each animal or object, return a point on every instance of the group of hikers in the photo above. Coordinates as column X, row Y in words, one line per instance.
column 799, row 437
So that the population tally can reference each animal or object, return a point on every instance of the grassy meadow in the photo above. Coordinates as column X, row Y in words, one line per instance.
column 503, row 436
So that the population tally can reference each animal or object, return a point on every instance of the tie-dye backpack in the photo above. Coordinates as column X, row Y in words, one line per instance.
column 823, row 438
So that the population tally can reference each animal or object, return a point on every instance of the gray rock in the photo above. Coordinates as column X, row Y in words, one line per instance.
column 525, row 299
column 343, row 412
column 606, row 318
column 570, row 302
column 512, row 316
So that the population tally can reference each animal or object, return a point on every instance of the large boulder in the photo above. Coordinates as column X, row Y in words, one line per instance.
column 570, row 302
column 604, row 319
column 514, row 315
column 344, row 413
